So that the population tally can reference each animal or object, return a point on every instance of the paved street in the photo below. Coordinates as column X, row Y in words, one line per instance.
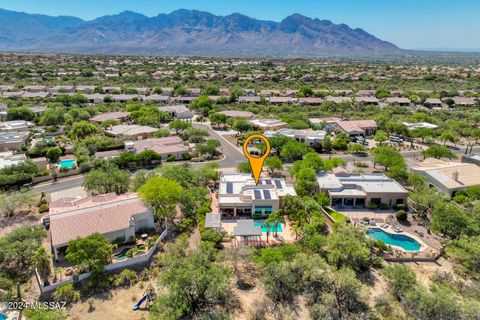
column 233, row 156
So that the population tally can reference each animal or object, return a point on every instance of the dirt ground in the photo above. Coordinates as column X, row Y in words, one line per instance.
column 115, row 305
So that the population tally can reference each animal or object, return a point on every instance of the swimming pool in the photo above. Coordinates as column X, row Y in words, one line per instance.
column 122, row 255
column 399, row 240
column 261, row 223
column 69, row 164
column 2, row 316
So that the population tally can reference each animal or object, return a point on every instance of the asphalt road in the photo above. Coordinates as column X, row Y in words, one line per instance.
column 233, row 156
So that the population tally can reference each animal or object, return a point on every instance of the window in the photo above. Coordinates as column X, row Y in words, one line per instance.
column 376, row 200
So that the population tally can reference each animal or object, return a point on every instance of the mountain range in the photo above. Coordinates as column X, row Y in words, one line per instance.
column 186, row 32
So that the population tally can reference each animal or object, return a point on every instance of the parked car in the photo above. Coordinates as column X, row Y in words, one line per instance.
column 396, row 139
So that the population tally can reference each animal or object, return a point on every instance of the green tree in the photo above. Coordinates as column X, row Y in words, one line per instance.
column 448, row 136
column 204, row 104
column 293, row 150
column 273, row 164
column 84, row 128
column 400, row 278
column 341, row 141
column 106, row 180
column 466, row 252
column 347, row 248
column 417, row 181
column 16, row 250
column 53, row 154
column 163, row 195
column 42, row 260
column 306, row 181
column 380, row 136
column 356, row 148
column 11, row 202
column 51, row 117
column 197, row 289
column 327, row 144
column 218, row 119
column 388, row 157
column 21, row 113
column 179, row 125
column 244, row 167
column 439, row 152
column 93, row 251
column 209, row 148
column 182, row 174
column 211, row 90
column 452, row 221
column 274, row 220
column 241, row 125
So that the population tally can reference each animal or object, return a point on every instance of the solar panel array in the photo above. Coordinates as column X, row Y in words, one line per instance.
column 257, row 194
column 278, row 183
column 268, row 181
column 229, row 187
column 266, row 194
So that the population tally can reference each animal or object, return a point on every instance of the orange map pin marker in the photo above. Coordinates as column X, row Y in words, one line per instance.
column 256, row 163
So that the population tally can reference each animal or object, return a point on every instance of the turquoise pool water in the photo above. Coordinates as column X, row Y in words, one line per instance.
column 261, row 223
column 399, row 240
column 122, row 255
column 2, row 316
column 69, row 164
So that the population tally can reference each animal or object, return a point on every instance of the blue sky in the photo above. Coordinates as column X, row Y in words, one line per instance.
column 410, row 24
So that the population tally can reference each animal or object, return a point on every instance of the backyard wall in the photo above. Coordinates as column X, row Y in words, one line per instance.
column 131, row 262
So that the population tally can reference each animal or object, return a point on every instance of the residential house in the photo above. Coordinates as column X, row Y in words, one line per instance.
column 119, row 116
column 419, row 125
column 281, row 100
column 166, row 147
column 312, row 138
column 237, row 114
column 433, row 103
column 118, row 218
column 238, row 195
column 268, row 124
column 448, row 177
column 399, row 101
column 249, row 99
column 133, row 131
column 13, row 140
column 157, row 98
column 367, row 100
column 361, row 190
column 179, row 111
column 355, row 128
column 16, row 126
column 311, row 101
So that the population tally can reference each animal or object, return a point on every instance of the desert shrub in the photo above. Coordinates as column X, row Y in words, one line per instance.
column 211, row 235
column 401, row 215
column 66, row 293
column 126, row 278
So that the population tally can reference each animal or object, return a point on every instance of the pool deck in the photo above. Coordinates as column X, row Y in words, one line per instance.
column 389, row 230
column 285, row 236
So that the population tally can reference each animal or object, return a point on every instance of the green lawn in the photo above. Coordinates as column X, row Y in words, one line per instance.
column 337, row 216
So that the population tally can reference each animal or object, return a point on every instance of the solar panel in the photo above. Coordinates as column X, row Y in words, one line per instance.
column 229, row 187
column 259, row 181
column 266, row 194
column 257, row 194
column 268, row 181
column 278, row 183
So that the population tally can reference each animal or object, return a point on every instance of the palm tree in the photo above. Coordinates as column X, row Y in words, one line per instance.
column 275, row 218
column 42, row 261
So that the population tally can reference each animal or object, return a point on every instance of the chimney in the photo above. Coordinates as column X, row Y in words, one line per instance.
column 455, row 175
